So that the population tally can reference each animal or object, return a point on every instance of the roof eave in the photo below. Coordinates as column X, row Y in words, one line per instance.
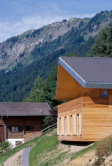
column 79, row 79
column 23, row 115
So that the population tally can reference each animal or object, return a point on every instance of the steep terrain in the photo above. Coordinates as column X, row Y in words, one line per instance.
column 19, row 48
column 35, row 52
column 26, row 47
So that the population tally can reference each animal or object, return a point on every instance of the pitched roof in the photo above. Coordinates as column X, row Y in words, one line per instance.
column 90, row 72
column 24, row 109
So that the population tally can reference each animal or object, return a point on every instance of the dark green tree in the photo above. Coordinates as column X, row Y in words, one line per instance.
column 49, row 89
column 103, row 43
column 35, row 91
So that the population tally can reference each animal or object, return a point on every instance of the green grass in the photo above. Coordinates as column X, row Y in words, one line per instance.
column 47, row 153
column 45, row 144
column 31, row 143
column 5, row 156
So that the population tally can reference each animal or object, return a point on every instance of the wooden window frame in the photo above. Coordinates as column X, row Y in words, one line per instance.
column 10, row 130
column 29, row 128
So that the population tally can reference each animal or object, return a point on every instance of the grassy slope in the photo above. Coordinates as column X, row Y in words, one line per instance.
column 5, row 156
column 46, row 152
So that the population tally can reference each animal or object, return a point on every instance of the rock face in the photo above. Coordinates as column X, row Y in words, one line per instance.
column 19, row 49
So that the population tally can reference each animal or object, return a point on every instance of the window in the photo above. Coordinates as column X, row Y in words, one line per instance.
column 15, row 129
column 62, row 126
column 71, row 125
column 74, row 125
column 18, row 143
column 59, row 126
column 68, row 125
column 77, row 123
column 65, row 125
column 105, row 93
column 29, row 128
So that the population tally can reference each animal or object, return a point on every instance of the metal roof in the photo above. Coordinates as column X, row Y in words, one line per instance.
column 90, row 72
column 24, row 109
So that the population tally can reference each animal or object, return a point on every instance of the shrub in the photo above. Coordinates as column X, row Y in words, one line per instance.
column 5, row 144
column 99, row 162
column 104, row 147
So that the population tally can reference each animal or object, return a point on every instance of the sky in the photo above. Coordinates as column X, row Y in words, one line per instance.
column 18, row 16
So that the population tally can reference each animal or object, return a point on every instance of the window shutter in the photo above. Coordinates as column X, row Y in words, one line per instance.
column 9, row 128
column 31, row 128
column 20, row 129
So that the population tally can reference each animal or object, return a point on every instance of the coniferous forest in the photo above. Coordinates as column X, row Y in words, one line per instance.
column 36, row 82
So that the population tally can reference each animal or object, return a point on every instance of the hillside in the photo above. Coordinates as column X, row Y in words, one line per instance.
column 46, row 150
column 22, row 48
column 26, row 47
column 35, row 52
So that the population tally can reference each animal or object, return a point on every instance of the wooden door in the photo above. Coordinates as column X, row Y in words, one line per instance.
column 2, row 132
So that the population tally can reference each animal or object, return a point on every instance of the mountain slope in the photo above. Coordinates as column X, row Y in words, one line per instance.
column 21, row 48
column 35, row 52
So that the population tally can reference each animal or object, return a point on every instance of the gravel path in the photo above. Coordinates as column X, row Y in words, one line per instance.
column 14, row 160
column 25, row 157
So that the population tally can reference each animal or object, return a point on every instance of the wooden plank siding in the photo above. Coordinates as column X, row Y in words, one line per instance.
column 68, row 88
column 91, row 116
column 34, row 121
column 71, row 113
column 97, row 119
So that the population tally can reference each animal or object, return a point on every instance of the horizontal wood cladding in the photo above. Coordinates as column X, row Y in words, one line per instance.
column 68, row 88
column 70, row 138
column 36, row 122
column 70, row 106
column 97, row 119
column 23, row 122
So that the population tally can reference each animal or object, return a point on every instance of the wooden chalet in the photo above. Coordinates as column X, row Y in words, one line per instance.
column 86, row 83
column 21, row 120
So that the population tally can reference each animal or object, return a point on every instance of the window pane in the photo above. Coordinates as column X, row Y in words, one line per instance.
column 12, row 129
column 16, row 129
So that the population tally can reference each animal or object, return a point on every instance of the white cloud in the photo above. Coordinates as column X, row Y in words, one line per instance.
column 9, row 29
column 33, row 18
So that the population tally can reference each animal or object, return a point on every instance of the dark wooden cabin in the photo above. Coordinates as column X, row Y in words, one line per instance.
column 21, row 120
column 86, row 83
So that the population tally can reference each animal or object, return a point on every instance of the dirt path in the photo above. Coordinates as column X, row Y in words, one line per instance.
column 15, row 160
